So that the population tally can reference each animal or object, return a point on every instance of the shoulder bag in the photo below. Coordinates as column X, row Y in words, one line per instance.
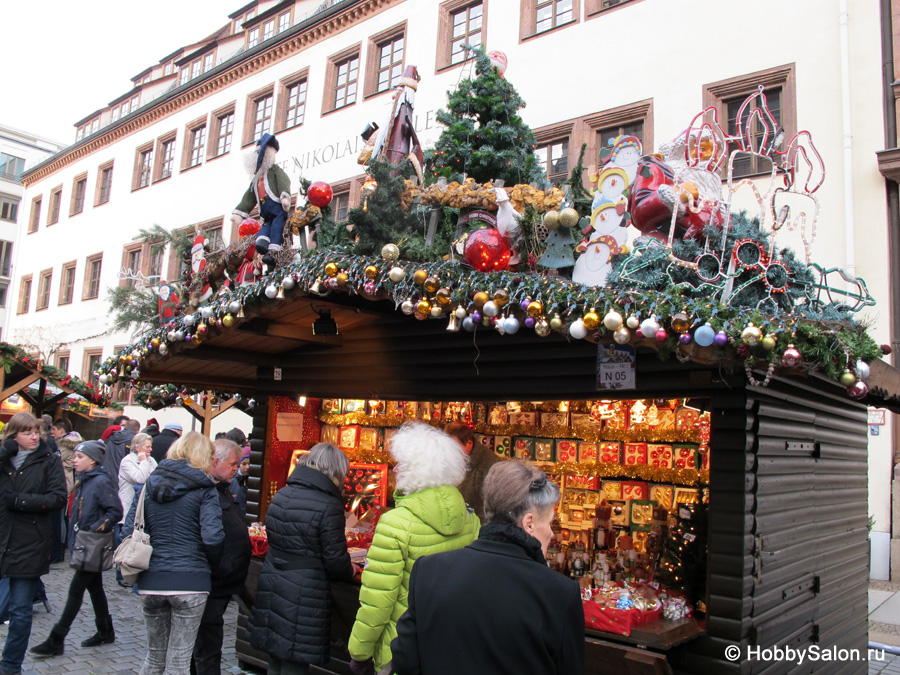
column 92, row 551
column 133, row 554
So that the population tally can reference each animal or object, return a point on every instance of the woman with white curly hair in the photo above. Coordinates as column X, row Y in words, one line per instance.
column 430, row 517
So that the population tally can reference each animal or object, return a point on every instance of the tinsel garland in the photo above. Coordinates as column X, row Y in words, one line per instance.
column 654, row 474
column 55, row 376
column 358, row 456
column 366, row 420
column 592, row 434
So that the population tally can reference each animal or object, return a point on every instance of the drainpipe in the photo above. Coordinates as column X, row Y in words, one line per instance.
column 849, row 229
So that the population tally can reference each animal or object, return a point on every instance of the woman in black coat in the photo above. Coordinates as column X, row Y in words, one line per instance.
column 95, row 508
column 494, row 607
column 291, row 619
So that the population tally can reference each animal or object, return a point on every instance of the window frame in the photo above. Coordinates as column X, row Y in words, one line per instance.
column 34, row 216
column 595, row 8
column 173, row 268
column 213, row 224
column 290, row 20
column 6, row 249
column 24, row 300
column 335, row 61
column 191, row 148
column 127, row 252
column 528, row 19
column 342, row 189
column 88, row 277
column 216, row 117
column 373, row 58
column 159, row 159
column 13, row 204
column 105, row 169
column 444, row 60
column 58, row 360
column 74, row 208
column 284, row 86
column 718, row 94
column 561, row 140
column 55, row 205
column 87, row 370
column 139, row 153
column 71, row 266
column 45, row 282
column 253, row 99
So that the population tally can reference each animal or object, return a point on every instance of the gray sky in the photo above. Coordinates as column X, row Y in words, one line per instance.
column 63, row 60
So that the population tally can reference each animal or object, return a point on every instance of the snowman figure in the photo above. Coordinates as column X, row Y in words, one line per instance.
column 607, row 239
column 625, row 153
column 611, row 185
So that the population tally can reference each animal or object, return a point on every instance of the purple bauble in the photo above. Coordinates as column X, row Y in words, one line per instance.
column 685, row 338
column 858, row 390
column 529, row 322
column 721, row 339
column 524, row 305
column 476, row 316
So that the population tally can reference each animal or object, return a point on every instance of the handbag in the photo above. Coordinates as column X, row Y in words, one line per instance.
column 92, row 551
column 133, row 554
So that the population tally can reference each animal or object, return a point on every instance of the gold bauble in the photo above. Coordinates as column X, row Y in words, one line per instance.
column 751, row 335
column 556, row 322
column 551, row 220
column 768, row 343
column 480, row 298
column 155, row 342
column 188, row 400
column 501, row 296
column 419, row 276
column 431, row 284
column 228, row 321
column 423, row 306
column 331, row 269
column 443, row 296
column 390, row 252
column 681, row 322
column 591, row 320
column 343, row 279
column 568, row 217
column 535, row 309
column 371, row 271
column 542, row 328
column 368, row 188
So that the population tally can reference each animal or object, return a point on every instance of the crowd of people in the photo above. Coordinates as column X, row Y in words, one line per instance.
column 455, row 579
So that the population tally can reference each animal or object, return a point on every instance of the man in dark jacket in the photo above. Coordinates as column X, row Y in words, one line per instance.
column 32, row 484
column 480, row 462
column 170, row 433
column 117, row 448
column 229, row 575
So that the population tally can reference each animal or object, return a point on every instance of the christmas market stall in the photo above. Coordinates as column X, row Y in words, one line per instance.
column 699, row 393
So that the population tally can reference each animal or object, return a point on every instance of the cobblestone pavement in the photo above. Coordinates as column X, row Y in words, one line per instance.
column 125, row 655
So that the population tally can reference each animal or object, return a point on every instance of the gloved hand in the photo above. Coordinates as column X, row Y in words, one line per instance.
column 362, row 667
column 11, row 498
column 236, row 220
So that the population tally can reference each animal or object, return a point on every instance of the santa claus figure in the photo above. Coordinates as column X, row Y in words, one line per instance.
column 397, row 140
column 270, row 190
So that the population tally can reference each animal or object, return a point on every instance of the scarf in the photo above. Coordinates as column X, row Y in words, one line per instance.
column 513, row 534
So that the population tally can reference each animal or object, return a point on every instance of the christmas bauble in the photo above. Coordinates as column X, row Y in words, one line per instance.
column 542, row 328
column 612, row 320
column 103, row 379
column 234, row 306
column 556, row 323
column 649, row 327
column 858, row 390
column 188, row 320
column 768, row 343
column 704, row 335
column 271, row 291
column 480, row 298
column 436, row 311
column 431, row 284
column 407, row 306
column 501, row 297
column 163, row 350
column 248, row 227
column 622, row 335
column 423, row 306
column 390, row 252
column 179, row 335
column 568, row 217
column 791, row 357
column 155, row 343
column 319, row 194
column 206, row 312
column 661, row 335
column 476, row 316
column 681, row 322
column 510, row 325
column 862, row 370
column 490, row 308
column 591, row 320
column 370, row 288
column 442, row 296
column 684, row 338
column 419, row 276
column 535, row 309
column 499, row 61
column 577, row 330
column 228, row 321
column 848, row 379
column 721, row 339
column 288, row 282
column 343, row 279
column 551, row 220
column 331, row 269
column 751, row 335
column 460, row 312
column 371, row 271
column 487, row 251
column 396, row 274
column 633, row 322
column 468, row 324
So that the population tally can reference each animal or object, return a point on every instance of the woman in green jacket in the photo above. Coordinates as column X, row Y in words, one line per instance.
column 430, row 516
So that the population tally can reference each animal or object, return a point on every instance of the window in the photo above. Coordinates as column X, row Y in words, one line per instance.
column 461, row 22
column 62, row 361
column 115, row 113
column 6, row 249
column 262, row 116
column 104, row 184
column 213, row 236
column 606, row 136
column 143, row 167
column 345, row 85
column 253, row 38
column 596, row 6
column 284, row 21
column 95, row 124
column 209, row 61
column 35, row 219
column 177, row 264
column 552, row 13
column 185, row 74
column 24, row 294
column 727, row 96
column 384, row 60
column 43, row 299
column 154, row 271
column 67, row 284
column 9, row 209
column 268, row 29
column 11, row 167
column 554, row 159
column 131, row 265
column 165, row 154
column 55, row 200
column 224, row 128
column 4, row 289
column 197, row 143
column 93, row 265
column 340, row 206
column 79, row 187
column 292, row 101
column 167, row 70
column 135, row 101
column 92, row 359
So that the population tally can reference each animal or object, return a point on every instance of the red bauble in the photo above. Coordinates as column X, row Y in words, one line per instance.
column 248, row 227
column 319, row 194
column 487, row 251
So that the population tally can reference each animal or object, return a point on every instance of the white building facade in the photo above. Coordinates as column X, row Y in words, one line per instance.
column 167, row 151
